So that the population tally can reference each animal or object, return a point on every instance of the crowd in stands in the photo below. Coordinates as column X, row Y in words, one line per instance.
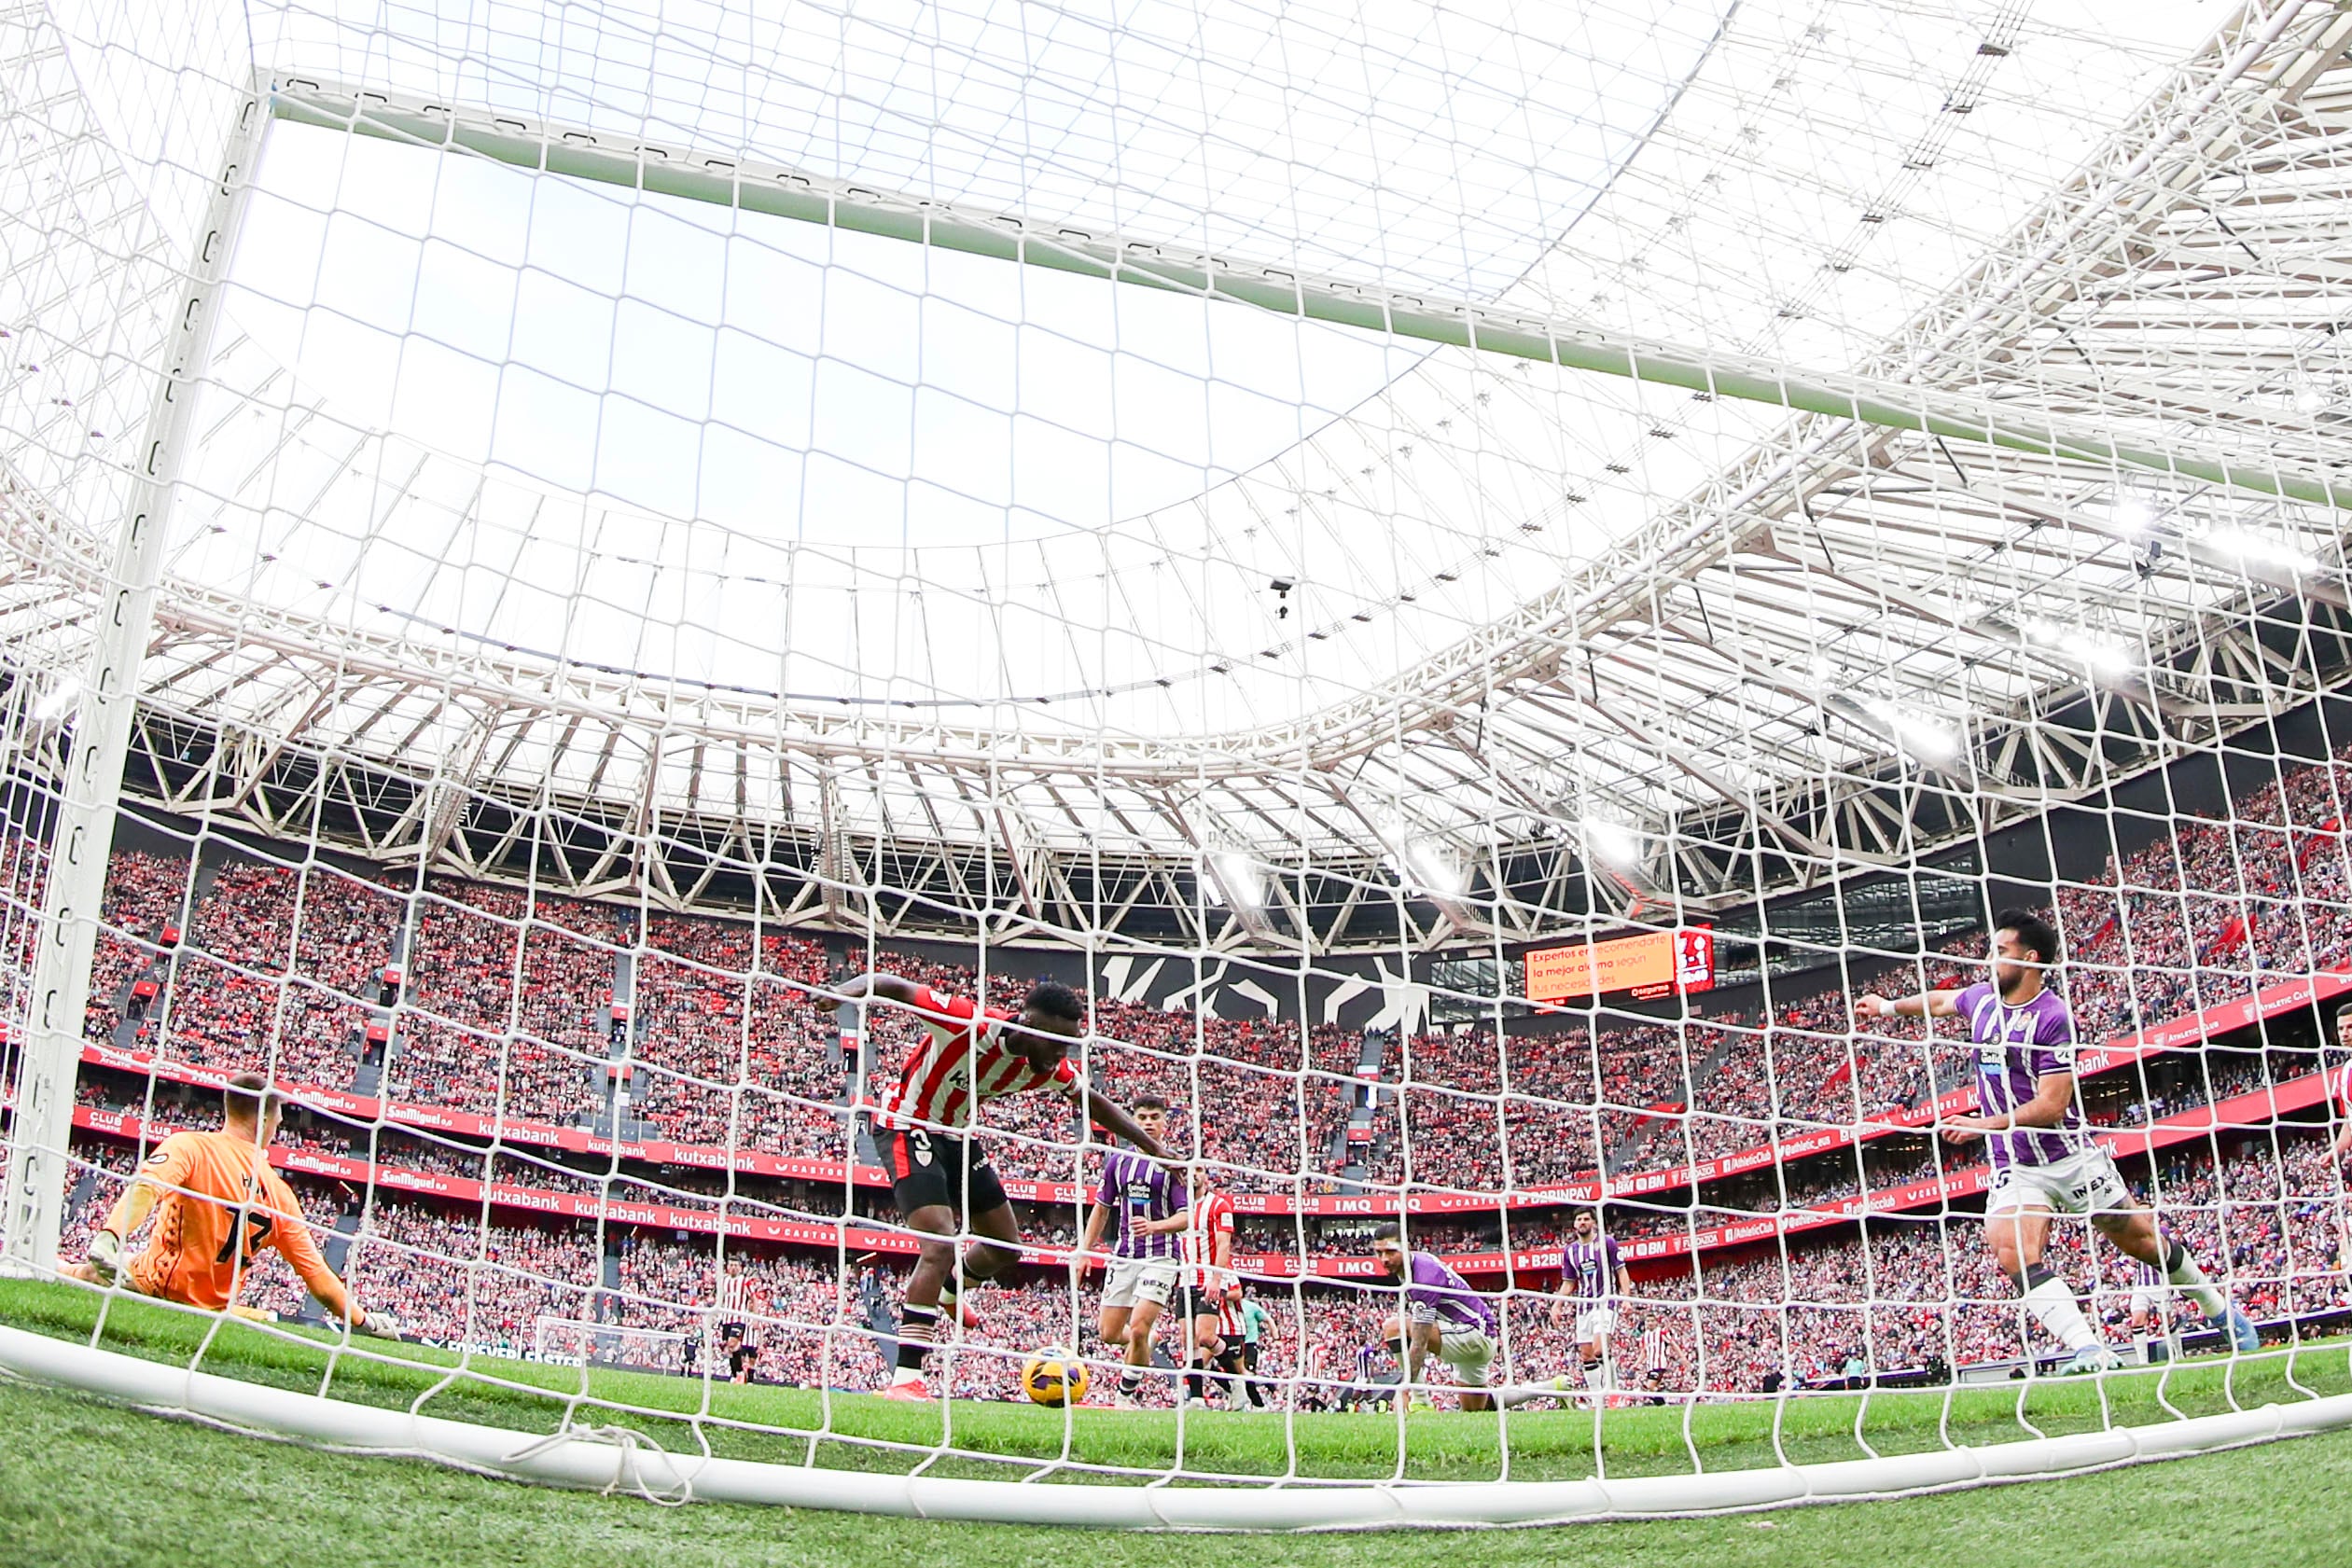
column 739, row 1039
column 145, row 893
column 1912, row 1292
column 509, row 996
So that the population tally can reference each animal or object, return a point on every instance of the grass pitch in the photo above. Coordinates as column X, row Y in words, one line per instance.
column 88, row 1485
column 85, row 1482
column 1003, row 1441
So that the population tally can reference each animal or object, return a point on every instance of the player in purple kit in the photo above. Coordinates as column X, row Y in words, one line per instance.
column 1441, row 1313
column 1135, row 1194
column 2043, row 1162
column 1592, row 1278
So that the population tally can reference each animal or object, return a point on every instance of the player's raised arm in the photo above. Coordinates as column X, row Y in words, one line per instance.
column 879, row 983
column 1923, row 1003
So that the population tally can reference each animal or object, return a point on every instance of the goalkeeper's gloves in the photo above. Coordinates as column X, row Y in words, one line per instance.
column 106, row 1257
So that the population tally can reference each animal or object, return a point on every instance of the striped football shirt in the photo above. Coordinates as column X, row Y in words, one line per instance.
column 962, row 1061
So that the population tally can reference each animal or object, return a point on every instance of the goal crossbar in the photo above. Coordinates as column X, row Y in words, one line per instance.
column 749, row 185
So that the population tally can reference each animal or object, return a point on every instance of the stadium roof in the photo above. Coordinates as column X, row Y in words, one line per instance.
column 1249, row 473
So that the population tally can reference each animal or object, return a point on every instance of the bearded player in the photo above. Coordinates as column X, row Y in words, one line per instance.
column 1592, row 1279
column 1442, row 1316
column 923, row 1127
column 216, row 1203
column 2043, row 1162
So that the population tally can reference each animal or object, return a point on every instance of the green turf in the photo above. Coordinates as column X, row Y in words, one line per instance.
column 859, row 1431
column 88, row 1485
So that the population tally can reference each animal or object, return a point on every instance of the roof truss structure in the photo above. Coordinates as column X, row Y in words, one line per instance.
column 2001, row 565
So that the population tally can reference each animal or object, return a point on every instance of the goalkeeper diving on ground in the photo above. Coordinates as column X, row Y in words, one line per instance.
column 217, row 1204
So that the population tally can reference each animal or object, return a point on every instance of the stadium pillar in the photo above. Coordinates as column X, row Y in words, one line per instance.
column 84, row 833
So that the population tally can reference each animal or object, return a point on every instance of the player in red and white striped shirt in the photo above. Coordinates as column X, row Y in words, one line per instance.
column 969, row 1054
column 1210, row 1297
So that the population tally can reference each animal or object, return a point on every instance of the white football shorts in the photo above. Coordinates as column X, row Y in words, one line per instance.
column 2084, row 1183
column 1139, row 1279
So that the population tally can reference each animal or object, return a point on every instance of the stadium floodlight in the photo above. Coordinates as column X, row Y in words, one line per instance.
column 2132, row 515
column 57, row 704
column 631, row 598
column 1432, row 865
column 1234, row 880
column 2104, row 658
column 1928, row 738
column 2258, row 549
column 1613, row 842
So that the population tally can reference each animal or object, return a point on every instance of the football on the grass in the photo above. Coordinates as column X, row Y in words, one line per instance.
column 1054, row 1377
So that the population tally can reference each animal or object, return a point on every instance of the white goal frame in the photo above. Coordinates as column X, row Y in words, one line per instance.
column 614, row 1459
column 590, row 1328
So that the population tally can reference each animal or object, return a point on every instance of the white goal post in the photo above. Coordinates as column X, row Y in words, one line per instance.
column 610, row 1459
column 590, row 1342
column 513, row 922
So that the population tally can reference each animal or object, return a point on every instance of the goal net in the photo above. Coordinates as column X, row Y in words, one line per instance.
column 577, row 1342
column 1673, row 685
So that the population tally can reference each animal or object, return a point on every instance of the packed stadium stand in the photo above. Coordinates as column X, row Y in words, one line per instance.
column 703, row 1032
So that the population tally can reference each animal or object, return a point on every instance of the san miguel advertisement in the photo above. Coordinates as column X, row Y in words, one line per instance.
column 1658, row 961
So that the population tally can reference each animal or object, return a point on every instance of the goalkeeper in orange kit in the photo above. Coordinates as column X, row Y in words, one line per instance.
column 217, row 1204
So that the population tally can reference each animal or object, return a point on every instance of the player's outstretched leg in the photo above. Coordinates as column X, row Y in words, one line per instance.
column 2018, row 1237
column 2134, row 1231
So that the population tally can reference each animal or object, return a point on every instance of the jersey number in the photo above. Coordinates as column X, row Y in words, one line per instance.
column 246, row 1233
column 920, row 1142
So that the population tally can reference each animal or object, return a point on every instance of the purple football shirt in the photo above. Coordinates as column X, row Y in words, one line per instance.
column 1590, row 1269
column 2014, row 1048
column 1431, row 1287
column 1136, row 1190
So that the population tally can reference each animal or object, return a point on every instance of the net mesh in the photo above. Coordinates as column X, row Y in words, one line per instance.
column 672, row 511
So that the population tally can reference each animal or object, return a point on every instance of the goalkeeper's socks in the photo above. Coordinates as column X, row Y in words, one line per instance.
column 2182, row 1271
column 2053, row 1304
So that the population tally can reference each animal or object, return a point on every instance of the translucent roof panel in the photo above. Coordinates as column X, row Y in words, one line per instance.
column 562, row 454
